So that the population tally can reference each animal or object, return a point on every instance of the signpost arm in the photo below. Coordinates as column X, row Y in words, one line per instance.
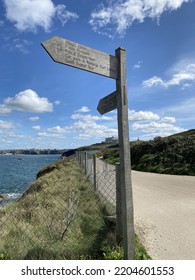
column 124, row 153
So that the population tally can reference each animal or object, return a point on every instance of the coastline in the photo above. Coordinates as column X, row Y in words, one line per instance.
column 13, row 193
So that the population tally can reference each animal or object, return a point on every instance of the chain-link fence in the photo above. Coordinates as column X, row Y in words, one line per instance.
column 60, row 215
column 103, row 177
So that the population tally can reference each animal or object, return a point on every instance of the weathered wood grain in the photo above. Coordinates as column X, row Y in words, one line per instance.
column 108, row 103
column 124, row 156
column 78, row 56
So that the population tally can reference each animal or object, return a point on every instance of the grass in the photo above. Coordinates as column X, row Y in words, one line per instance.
column 54, row 219
column 59, row 217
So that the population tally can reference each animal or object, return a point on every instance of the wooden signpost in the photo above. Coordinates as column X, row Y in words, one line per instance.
column 78, row 56
column 108, row 103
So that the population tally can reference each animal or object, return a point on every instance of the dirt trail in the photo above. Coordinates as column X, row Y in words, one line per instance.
column 164, row 209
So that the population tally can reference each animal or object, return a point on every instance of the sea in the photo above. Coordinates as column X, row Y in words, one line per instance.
column 18, row 172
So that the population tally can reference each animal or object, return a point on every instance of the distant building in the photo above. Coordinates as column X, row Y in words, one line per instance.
column 112, row 139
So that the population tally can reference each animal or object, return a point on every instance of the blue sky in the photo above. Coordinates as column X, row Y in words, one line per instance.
column 44, row 104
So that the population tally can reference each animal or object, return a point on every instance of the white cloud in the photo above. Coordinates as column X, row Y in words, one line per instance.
column 89, row 118
column 6, row 125
column 87, row 127
column 181, row 78
column 57, row 129
column 64, row 15
column 121, row 14
column 50, row 135
column 93, row 130
column 31, row 14
column 83, row 127
column 52, row 132
column 14, row 136
column 36, row 127
column 83, row 109
column 154, row 81
column 138, row 65
column 34, row 119
column 186, row 85
column 160, row 128
column 21, row 45
column 152, row 124
column 28, row 101
column 4, row 109
column 83, row 136
column 57, row 102
column 169, row 119
column 142, row 116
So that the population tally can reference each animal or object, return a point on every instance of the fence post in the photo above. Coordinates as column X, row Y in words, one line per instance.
column 119, row 218
column 94, row 172
column 79, row 152
column 82, row 160
column 85, row 154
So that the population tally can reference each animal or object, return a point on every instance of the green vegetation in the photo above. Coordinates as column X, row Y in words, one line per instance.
column 170, row 155
column 59, row 217
column 111, row 251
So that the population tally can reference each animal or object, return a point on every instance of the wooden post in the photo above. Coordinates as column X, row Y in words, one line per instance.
column 124, row 154
column 83, row 160
column 85, row 163
column 94, row 172
column 119, row 219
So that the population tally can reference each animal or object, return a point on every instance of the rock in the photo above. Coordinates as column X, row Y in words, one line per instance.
column 68, row 153
column 3, row 196
column 46, row 170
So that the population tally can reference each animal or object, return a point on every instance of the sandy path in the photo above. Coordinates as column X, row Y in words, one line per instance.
column 164, row 209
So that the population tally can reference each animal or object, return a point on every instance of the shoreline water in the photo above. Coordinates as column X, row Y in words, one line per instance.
column 16, row 176
column 9, row 198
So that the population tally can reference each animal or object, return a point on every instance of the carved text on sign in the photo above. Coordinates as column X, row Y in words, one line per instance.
column 75, row 55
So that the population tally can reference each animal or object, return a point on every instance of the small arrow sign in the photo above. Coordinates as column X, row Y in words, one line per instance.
column 78, row 56
column 108, row 103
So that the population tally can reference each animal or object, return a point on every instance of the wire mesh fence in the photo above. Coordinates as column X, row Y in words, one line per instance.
column 103, row 177
column 58, row 217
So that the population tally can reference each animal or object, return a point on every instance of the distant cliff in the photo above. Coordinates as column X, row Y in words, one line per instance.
column 33, row 151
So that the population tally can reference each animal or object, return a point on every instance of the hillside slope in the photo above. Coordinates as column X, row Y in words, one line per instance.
column 58, row 217
column 170, row 155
